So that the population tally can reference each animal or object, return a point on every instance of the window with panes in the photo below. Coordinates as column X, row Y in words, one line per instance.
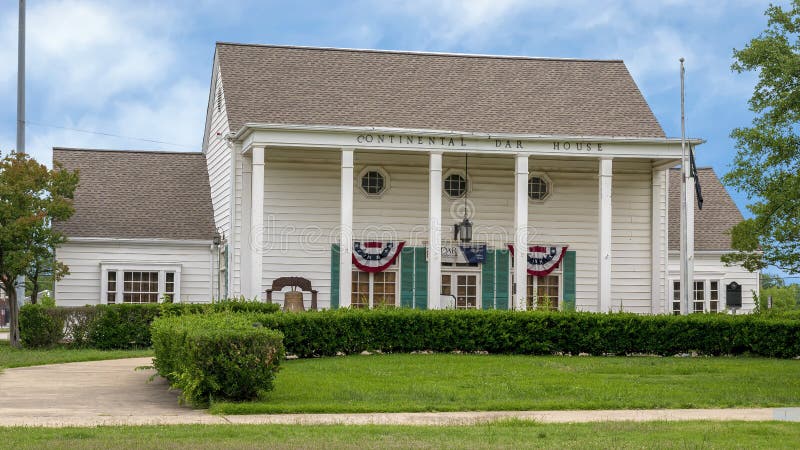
column 713, row 296
column 462, row 287
column 676, row 298
column 699, row 297
column 139, row 286
column 543, row 291
column 705, row 296
column 373, row 182
column 455, row 185
column 371, row 290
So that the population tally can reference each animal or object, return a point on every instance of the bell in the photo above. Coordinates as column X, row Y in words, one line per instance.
column 293, row 301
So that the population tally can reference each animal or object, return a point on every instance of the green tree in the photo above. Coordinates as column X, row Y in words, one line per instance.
column 31, row 197
column 767, row 281
column 784, row 298
column 767, row 164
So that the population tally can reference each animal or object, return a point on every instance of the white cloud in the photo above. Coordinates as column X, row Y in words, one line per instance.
column 177, row 118
column 110, row 67
column 87, row 52
column 450, row 23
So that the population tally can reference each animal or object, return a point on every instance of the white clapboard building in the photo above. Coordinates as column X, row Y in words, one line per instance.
column 405, row 179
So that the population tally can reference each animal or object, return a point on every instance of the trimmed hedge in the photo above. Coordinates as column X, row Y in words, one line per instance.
column 113, row 326
column 327, row 333
column 781, row 314
column 216, row 356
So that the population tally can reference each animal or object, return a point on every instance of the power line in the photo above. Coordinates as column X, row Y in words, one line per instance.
column 102, row 133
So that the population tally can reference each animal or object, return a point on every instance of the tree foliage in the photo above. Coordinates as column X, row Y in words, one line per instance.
column 767, row 164
column 31, row 197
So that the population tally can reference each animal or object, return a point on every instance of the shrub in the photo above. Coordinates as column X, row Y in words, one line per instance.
column 216, row 356
column 113, row 326
column 403, row 330
column 42, row 328
column 122, row 326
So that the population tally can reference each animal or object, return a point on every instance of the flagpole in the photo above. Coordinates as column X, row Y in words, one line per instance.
column 685, row 281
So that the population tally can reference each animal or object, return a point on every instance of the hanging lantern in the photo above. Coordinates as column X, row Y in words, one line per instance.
column 465, row 230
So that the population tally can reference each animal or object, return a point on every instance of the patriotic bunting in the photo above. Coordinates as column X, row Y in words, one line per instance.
column 543, row 260
column 375, row 256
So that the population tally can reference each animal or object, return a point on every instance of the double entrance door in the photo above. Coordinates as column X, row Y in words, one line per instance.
column 460, row 289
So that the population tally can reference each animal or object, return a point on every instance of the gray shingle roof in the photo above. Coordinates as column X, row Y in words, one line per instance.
column 490, row 94
column 138, row 194
column 711, row 225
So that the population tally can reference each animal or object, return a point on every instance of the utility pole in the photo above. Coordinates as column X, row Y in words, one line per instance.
column 21, row 80
column 20, row 281
column 686, row 269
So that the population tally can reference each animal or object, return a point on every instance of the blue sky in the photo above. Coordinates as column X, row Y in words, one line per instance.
column 141, row 69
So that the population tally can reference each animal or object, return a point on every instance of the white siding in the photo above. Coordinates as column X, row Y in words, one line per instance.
column 302, row 214
column 631, row 281
column 240, row 209
column 83, row 284
column 218, row 157
column 659, row 236
column 707, row 266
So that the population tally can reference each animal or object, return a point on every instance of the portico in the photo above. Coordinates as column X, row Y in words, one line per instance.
column 354, row 149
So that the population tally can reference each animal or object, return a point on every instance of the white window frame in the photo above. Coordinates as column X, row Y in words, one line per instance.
column 706, row 280
column 463, row 175
column 556, row 272
column 720, row 293
column 387, row 184
column 455, row 271
column 371, row 302
column 121, row 268
column 546, row 179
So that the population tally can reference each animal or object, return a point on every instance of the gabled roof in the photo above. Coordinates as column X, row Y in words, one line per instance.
column 138, row 195
column 454, row 92
column 712, row 223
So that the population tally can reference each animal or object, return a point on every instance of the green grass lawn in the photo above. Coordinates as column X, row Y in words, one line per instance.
column 447, row 382
column 513, row 434
column 12, row 357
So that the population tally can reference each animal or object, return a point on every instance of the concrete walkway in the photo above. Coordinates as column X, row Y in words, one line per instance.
column 114, row 393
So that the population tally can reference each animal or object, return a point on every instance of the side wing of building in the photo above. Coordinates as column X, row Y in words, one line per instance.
column 142, row 229
column 712, row 278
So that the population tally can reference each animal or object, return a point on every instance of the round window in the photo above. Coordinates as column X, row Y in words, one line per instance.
column 373, row 182
column 455, row 185
column 538, row 188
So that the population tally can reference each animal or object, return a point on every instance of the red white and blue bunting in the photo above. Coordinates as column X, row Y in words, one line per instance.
column 375, row 256
column 542, row 260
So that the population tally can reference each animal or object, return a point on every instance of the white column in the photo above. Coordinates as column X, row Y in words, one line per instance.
column 667, row 299
column 656, row 271
column 604, row 247
column 521, row 231
column 257, row 223
column 690, row 205
column 346, row 230
column 435, row 231
column 244, row 235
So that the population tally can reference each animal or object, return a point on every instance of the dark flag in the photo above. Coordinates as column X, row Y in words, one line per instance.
column 693, row 174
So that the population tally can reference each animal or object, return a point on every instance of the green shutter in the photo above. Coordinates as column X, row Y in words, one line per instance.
column 407, row 277
column 420, row 279
column 569, row 281
column 502, row 275
column 487, row 280
column 334, row 276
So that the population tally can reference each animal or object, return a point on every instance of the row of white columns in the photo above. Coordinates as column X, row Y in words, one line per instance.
column 255, row 254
